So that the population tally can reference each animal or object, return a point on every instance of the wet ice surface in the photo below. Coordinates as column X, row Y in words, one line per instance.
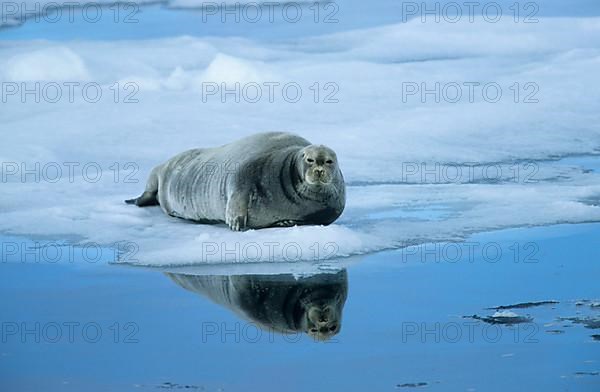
column 402, row 323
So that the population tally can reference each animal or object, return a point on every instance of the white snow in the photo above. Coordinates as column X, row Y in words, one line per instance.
column 378, row 137
column 53, row 64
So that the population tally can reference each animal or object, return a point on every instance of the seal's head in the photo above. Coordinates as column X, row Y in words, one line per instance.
column 318, row 165
column 323, row 319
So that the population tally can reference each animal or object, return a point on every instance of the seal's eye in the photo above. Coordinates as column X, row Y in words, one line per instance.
column 310, row 160
column 329, row 161
column 313, row 330
column 333, row 328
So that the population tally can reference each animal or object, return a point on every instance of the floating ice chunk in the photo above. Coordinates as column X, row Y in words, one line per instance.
column 505, row 313
column 378, row 137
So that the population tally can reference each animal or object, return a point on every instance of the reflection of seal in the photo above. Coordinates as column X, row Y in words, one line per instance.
column 265, row 180
column 281, row 303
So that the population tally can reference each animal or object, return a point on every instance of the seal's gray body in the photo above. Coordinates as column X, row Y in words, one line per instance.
column 251, row 183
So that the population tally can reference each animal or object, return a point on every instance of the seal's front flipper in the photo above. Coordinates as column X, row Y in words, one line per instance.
column 286, row 223
column 236, row 213
column 145, row 200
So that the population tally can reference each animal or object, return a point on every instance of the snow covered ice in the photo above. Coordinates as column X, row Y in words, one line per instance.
column 409, row 165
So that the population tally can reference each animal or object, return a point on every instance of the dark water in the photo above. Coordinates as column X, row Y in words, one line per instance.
column 399, row 320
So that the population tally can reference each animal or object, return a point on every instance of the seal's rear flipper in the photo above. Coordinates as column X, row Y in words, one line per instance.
column 145, row 200
column 148, row 198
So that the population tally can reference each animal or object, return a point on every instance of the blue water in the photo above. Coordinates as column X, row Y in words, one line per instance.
column 158, row 20
column 402, row 323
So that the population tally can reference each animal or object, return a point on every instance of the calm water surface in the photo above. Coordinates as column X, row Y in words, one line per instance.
column 399, row 321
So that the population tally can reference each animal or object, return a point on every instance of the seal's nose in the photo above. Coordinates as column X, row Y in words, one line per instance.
column 319, row 172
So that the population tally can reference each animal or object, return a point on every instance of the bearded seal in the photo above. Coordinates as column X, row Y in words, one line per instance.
column 265, row 180
column 279, row 303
